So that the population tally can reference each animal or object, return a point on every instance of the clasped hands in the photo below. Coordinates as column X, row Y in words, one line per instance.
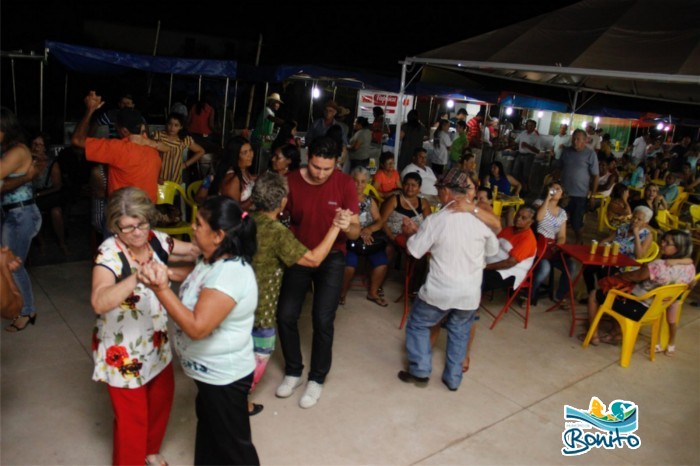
column 154, row 275
column 342, row 219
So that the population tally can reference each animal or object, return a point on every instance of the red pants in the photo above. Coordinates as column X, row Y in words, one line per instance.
column 140, row 418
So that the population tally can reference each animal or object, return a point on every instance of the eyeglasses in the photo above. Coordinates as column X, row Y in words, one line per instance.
column 130, row 228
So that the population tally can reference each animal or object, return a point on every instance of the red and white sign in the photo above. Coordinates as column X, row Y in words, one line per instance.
column 387, row 100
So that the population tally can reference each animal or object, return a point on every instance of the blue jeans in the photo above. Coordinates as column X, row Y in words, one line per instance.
column 420, row 354
column 328, row 283
column 19, row 226
column 545, row 268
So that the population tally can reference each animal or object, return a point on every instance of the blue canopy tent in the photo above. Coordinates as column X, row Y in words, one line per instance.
column 101, row 61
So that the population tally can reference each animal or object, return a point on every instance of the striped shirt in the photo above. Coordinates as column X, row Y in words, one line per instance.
column 173, row 161
column 550, row 225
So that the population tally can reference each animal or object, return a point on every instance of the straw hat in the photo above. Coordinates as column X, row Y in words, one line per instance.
column 275, row 96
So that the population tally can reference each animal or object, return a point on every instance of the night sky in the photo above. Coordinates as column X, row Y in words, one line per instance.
column 365, row 35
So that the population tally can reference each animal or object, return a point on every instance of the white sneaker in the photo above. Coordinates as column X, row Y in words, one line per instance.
column 311, row 394
column 288, row 385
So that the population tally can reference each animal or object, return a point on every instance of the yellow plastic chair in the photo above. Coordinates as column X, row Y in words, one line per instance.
column 675, row 208
column 192, row 192
column 663, row 333
column 695, row 214
column 666, row 220
column 166, row 195
column 661, row 297
column 370, row 190
column 651, row 254
column 603, row 213
column 497, row 207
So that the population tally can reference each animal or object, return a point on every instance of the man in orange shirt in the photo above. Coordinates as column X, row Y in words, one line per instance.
column 130, row 163
column 518, row 247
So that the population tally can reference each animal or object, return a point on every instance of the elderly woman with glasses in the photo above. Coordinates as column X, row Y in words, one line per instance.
column 130, row 339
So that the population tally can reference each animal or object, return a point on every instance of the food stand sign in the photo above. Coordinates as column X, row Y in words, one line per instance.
column 387, row 100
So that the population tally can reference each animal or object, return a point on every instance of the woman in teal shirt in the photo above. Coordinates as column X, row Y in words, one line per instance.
column 214, row 320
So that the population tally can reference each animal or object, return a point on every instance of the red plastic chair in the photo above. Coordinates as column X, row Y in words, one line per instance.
column 526, row 284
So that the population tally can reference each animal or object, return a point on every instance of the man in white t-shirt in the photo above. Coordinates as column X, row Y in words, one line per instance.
column 420, row 166
column 458, row 243
column 638, row 148
column 592, row 138
column 528, row 145
column 561, row 140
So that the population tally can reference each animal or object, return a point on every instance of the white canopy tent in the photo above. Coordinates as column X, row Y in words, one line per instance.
column 648, row 49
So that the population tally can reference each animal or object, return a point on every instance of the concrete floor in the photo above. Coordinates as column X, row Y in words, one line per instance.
column 508, row 410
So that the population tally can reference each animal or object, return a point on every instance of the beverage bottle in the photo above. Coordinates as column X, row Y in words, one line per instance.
column 594, row 246
column 606, row 249
column 615, row 248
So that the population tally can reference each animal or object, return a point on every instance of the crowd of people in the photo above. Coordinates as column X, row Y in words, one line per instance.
column 292, row 226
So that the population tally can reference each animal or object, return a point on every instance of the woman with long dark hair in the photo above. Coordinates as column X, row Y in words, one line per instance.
column 214, row 317
column 233, row 178
column 21, row 219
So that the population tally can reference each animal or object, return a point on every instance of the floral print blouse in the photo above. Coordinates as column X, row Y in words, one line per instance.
column 130, row 343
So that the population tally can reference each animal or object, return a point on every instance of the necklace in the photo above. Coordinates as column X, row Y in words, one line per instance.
column 133, row 256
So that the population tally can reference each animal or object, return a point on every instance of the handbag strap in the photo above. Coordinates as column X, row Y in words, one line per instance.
column 411, row 205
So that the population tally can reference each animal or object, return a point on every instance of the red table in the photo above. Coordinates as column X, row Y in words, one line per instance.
column 582, row 253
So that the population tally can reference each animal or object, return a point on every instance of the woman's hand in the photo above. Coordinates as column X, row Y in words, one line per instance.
column 366, row 236
column 342, row 219
column 154, row 276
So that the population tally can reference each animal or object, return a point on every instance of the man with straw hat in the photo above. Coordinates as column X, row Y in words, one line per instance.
column 262, row 134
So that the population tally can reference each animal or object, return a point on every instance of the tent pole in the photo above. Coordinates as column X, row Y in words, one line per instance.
column 65, row 99
column 170, row 96
column 155, row 51
column 573, row 109
column 41, row 95
column 252, row 88
column 223, row 122
column 233, row 108
column 430, row 111
column 399, row 115
column 199, row 88
column 311, row 105
column 14, row 84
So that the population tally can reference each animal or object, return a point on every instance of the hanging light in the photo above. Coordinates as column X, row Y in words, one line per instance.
column 565, row 121
column 660, row 126
column 596, row 120
column 315, row 92
column 540, row 114
column 450, row 103
column 509, row 111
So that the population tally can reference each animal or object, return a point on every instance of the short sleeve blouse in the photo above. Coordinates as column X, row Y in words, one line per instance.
column 130, row 342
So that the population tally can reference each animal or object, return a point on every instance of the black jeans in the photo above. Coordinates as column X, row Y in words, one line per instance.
column 223, row 424
column 328, row 282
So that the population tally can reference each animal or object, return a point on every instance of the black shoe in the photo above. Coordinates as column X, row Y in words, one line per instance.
column 407, row 377
column 448, row 387
column 256, row 409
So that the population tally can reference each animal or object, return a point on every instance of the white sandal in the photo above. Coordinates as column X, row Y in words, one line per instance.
column 670, row 351
column 156, row 460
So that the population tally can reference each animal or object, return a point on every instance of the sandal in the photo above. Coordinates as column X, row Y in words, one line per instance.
column 380, row 292
column 670, row 351
column 379, row 301
column 610, row 339
column 156, row 460
column 595, row 341
column 14, row 327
